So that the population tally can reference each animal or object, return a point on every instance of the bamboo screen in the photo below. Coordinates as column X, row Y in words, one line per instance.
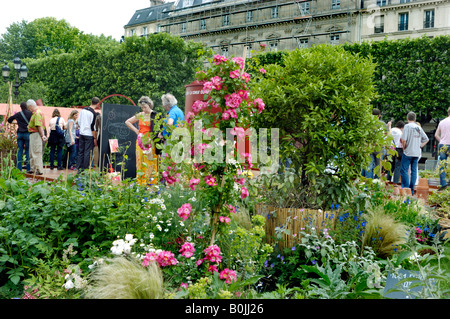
column 290, row 221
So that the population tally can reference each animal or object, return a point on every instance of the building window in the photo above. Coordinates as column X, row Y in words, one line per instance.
column 304, row 8
column 183, row 27
column 249, row 16
column 404, row 1
column 381, row 3
column 226, row 20
column 273, row 46
column 334, row 39
column 224, row 51
column 274, row 12
column 335, row 4
column 132, row 32
column 203, row 24
column 403, row 21
column 303, row 43
column 249, row 51
column 158, row 27
column 144, row 31
column 379, row 24
column 428, row 21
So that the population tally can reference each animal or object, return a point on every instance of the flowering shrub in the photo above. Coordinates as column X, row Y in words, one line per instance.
column 220, row 183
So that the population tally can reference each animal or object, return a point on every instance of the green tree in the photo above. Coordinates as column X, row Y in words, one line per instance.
column 411, row 75
column 320, row 101
column 45, row 36
column 139, row 66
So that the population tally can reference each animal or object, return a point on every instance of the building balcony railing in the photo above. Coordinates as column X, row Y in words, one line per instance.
column 379, row 29
column 403, row 27
column 382, row 3
column 428, row 24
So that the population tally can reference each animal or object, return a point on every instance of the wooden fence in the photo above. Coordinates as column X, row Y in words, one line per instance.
column 289, row 222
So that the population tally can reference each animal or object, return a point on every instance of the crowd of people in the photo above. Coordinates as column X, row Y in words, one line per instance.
column 73, row 141
column 81, row 134
column 408, row 140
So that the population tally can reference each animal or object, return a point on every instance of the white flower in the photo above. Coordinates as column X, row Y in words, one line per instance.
column 152, row 236
column 69, row 285
column 163, row 207
column 129, row 237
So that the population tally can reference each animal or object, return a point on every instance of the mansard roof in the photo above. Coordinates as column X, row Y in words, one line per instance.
column 150, row 14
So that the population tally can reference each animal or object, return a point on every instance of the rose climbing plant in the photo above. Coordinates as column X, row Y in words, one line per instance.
column 211, row 163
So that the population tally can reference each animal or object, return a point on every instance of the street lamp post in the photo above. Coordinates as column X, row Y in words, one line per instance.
column 21, row 74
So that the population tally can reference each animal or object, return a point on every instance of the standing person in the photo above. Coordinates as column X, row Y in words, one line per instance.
column 376, row 156
column 442, row 135
column 146, row 152
column 397, row 133
column 413, row 139
column 37, row 137
column 56, row 141
column 23, row 136
column 88, row 135
column 175, row 114
column 70, row 139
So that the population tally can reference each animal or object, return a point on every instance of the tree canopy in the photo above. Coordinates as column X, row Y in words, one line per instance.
column 45, row 36
column 139, row 66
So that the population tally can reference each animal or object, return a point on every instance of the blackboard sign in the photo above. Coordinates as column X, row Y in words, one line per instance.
column 113, row 127
column 393, row 280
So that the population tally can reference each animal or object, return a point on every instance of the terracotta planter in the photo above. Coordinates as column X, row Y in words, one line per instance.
column 422, row 192
column 423, row 182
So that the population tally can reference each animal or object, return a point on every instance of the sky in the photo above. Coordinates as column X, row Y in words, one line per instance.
column 89, row 16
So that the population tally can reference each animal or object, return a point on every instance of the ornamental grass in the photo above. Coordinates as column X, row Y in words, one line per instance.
column 125, row 278
column 383, row 233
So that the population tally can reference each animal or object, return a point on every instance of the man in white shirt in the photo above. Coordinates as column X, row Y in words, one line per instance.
column 397, row 133
column 413, row 139
column 442, row 135
column 88, row 135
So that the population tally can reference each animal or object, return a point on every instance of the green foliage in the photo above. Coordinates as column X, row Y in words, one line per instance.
column 244, row 249
column 320, row 101
column 148, row 66
column 411, row 75
column 45, row 36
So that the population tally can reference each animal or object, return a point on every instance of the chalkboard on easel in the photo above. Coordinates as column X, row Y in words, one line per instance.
column 113, row 127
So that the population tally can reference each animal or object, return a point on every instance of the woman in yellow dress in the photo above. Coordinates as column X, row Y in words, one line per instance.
column 146, row 158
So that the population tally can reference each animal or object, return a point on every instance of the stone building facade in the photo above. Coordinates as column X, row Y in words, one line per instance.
column 233, row 27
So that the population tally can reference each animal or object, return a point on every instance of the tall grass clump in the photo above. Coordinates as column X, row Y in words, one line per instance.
column 383, row 233
column 123, row 278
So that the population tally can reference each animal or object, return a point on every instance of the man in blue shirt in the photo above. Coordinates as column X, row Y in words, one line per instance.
column 175, row 114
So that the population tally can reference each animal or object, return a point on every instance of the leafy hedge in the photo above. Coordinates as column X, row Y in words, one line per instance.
column 411, row 75
column 149, row 66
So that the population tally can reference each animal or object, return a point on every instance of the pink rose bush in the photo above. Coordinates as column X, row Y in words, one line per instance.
column 228, row 106
column 184, row 211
